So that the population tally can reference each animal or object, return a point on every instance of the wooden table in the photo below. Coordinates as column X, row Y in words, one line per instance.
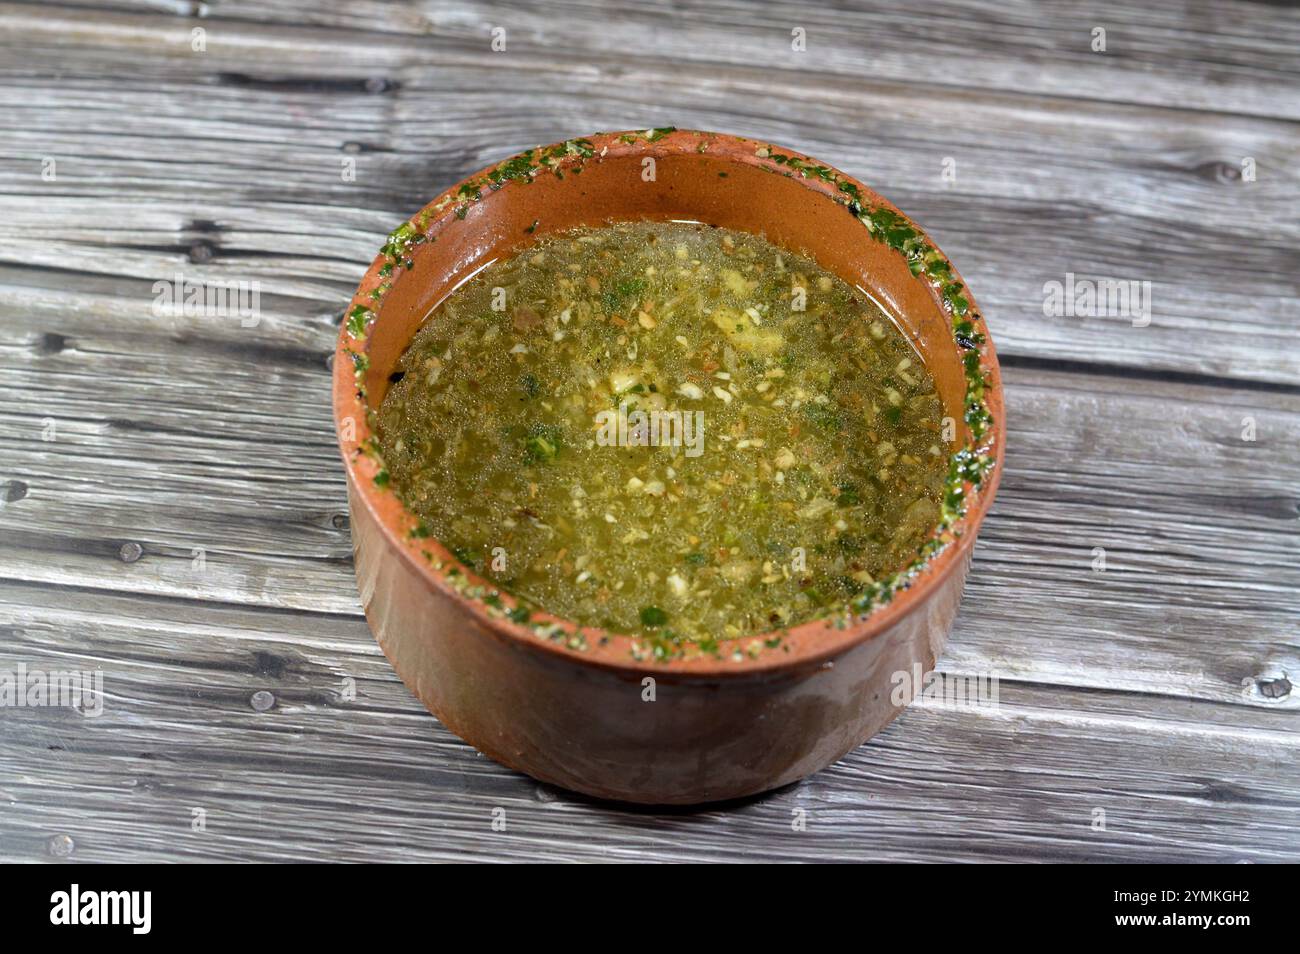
column 173, row 510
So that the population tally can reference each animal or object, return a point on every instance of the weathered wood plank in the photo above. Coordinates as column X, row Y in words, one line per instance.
column 320, row 777
column 1194, row 54
column 1098, row 190
column 235, row 456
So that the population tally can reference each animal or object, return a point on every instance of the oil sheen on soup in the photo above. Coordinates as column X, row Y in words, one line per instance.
column 670, row 430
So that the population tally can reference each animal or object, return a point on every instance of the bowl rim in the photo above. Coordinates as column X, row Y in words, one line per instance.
column 811, row 644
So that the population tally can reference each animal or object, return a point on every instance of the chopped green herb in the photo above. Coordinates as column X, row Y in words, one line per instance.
column 653, row 616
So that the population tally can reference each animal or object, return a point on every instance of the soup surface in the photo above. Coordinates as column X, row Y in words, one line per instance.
column 667, row 429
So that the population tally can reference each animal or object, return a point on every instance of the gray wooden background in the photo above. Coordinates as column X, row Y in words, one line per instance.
column 172, row 509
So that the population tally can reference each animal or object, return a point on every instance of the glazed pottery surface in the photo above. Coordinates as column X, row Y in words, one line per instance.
column 594, row 711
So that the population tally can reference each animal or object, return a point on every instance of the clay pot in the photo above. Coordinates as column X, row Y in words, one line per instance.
column 571, row 706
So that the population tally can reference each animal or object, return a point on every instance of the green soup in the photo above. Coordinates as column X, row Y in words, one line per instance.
column 667, row 429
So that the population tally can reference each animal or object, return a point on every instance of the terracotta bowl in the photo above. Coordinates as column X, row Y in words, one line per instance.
column 600, row 712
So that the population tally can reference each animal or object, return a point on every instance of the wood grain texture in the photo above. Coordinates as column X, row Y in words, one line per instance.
column 172, row 512
column 1096, row 188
